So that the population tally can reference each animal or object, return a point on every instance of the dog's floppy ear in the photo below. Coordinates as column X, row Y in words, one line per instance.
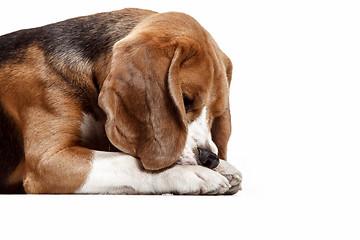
column 221, row 127
column 142, row 99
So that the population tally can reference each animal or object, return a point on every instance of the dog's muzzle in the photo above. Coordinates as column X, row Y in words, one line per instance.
column 208, row 159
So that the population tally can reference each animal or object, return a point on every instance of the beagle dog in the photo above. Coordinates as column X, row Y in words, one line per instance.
column 123, row 102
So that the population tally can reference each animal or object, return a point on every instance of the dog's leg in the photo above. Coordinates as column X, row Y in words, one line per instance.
column 61, row 172
column 232, row 174
column 80, row 170
column 119, row 173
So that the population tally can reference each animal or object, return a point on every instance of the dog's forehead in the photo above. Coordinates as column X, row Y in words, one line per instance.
column 207, row 73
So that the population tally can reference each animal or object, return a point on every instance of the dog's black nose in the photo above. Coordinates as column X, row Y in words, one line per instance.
column 208, row 159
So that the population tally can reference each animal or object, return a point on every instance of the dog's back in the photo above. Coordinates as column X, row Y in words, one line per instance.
column 87, row 36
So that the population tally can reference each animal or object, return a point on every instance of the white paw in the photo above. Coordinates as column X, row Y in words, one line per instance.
column 232, row 174
column 189, row 179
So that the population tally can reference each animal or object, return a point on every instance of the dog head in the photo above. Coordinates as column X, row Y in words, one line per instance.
column 166, row 96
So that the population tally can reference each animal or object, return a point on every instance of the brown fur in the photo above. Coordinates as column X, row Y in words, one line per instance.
column 139, row 80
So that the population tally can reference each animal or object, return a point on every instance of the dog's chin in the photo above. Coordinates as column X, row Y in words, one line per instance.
column 187, row 157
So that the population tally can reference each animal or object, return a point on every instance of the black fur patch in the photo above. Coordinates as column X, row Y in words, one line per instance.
column 87, row 36
column 13, row 45
column 11, row 146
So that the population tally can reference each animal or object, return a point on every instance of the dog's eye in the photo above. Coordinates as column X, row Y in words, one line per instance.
column 188, row 102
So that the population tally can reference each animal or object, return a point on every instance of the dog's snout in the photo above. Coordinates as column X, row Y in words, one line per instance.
column 208, row 159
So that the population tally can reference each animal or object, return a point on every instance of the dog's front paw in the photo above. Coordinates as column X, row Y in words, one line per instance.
column 232, row 174
column 194, row 180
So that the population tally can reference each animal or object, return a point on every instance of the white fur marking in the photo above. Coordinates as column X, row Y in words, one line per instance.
column 119, row 173
column 110, row 172
column 199, row 136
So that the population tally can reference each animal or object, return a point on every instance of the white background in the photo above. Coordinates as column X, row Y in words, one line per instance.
column 295, row 101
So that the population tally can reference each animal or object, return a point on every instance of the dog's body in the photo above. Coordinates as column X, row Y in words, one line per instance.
column 109, row 102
